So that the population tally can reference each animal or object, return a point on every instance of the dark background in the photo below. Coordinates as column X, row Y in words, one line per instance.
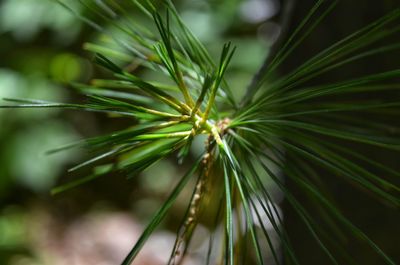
column 379, row 222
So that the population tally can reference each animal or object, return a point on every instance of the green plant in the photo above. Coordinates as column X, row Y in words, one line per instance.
column 282, row 122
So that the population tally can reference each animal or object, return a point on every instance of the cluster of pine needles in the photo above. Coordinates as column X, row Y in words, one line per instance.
column 282, row 122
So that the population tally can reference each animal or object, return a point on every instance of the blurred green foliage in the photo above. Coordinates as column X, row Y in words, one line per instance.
column 25, row 19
